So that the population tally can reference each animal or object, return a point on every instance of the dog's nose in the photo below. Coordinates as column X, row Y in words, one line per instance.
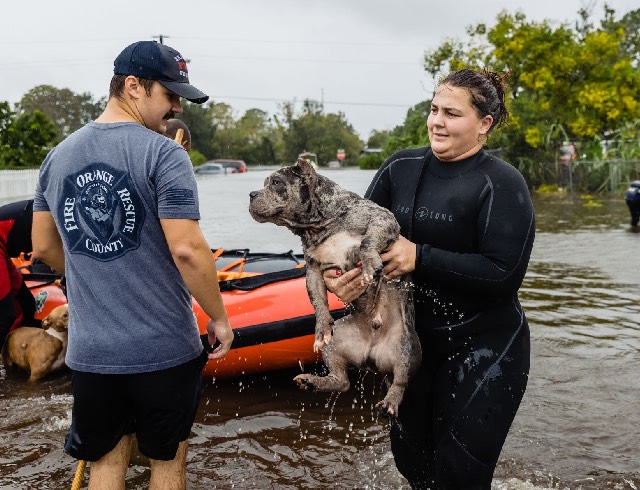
column 253, row 194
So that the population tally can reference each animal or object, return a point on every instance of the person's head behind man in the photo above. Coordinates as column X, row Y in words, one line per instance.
column 173, row 125
column 149, row 79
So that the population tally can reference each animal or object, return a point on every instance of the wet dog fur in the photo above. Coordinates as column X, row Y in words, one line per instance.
column 39, row 351
column 338, row 229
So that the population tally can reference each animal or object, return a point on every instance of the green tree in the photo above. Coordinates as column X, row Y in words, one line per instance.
column 25, row 138
column 313, row 130
column 630, row 22
column 6, row 115
column 247, row 138
column 224, row 145
column 68, row 111
column 579, row 78
column 412, row 133
column 197, row 117
column 377, row 139
column 257, row 138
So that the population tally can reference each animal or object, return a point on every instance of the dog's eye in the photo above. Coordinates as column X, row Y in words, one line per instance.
column 276, row 182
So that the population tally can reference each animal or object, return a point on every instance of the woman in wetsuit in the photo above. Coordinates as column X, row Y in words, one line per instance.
column 467, row 226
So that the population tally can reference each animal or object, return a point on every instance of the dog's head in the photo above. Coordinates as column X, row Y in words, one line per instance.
column 58, row 319
column 287, row 198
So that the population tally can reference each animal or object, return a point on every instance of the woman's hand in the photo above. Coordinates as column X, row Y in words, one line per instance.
column 346, row 286
column 399, row 259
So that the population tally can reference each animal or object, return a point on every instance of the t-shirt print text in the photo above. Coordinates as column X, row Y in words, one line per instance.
column 101, row 214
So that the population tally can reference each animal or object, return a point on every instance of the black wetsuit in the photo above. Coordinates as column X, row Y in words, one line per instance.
column 20, row 215
column 474, row 224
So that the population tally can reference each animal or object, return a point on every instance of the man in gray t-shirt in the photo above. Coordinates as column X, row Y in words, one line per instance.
column 116, row 211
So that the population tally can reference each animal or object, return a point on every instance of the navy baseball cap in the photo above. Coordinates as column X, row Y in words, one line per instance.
column 154, row 61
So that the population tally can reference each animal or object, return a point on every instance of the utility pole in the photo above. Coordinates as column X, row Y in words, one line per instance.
column 160, row 37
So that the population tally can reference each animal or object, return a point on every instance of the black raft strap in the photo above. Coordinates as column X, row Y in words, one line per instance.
column 254, row 282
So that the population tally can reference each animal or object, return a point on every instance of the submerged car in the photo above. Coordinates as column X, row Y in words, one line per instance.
column 232, row 166
column 210, row 168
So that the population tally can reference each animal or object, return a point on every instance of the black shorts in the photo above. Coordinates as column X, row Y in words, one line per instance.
column 159, row 407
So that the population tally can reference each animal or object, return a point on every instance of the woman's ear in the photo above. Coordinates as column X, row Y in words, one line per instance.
column 485, row 124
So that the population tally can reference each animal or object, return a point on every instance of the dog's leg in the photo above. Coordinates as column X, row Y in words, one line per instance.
column 381, row 232
column 388, row 406
column 374, row 305
column 318, row 296
column 40, row 368
column 370, row 257
column 402, row 370
column 336, row 380
column 407, row 354
column 408, row 363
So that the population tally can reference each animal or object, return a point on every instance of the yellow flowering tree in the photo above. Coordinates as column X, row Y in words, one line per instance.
column 582, row 79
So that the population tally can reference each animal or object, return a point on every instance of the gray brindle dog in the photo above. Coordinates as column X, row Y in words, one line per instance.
column 338, row 229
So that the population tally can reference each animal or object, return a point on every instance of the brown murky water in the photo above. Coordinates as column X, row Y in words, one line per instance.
column 576, row 429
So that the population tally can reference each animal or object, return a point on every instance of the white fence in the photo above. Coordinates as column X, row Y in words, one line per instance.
column 17, row 184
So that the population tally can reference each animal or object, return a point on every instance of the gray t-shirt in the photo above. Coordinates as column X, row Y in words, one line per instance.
column 107, row 187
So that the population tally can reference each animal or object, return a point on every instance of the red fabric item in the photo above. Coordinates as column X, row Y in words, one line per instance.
column 5, row 228
column 10, row 278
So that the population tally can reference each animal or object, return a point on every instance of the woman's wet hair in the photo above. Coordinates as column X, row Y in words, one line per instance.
column 487, row 90
column 117, row 85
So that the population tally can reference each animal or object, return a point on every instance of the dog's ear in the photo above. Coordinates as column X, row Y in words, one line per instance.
column 46, row 323
column 305, row 166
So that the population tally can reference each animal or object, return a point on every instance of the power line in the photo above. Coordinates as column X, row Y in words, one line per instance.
column 290, row 41
column 308, row 60
column 74, row 42
column 333, row 102
column 97, row 61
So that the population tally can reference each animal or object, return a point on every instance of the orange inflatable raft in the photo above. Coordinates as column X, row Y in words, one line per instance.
column 266, row 300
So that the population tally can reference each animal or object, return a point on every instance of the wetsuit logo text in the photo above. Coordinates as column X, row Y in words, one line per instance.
column 428, row 214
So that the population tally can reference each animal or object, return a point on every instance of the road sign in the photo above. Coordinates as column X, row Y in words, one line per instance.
column 341, row 155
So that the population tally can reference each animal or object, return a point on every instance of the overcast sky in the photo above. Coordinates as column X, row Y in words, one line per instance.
column 360, row 57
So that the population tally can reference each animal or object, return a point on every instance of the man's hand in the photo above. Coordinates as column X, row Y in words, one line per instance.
column 348, row 286
column 221, row 331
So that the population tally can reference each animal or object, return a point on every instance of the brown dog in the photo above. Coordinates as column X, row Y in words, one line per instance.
column 338, row 229
column 39, row 350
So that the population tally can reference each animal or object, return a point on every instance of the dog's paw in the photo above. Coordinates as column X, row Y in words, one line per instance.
column 367, row 275
column 387, row 409
column 322, row 339
column 305, row 382
column 372, row 268
column 318, row 345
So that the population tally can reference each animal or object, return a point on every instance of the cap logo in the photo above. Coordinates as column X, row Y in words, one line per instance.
column 182, row 66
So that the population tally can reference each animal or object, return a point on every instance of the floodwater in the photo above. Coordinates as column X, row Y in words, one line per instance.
column 577, row 427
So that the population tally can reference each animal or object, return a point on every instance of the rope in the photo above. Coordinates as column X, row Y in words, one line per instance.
column 79, row 476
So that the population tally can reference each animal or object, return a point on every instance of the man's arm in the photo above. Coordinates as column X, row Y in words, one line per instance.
column 194, row 260
column 46, row 241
